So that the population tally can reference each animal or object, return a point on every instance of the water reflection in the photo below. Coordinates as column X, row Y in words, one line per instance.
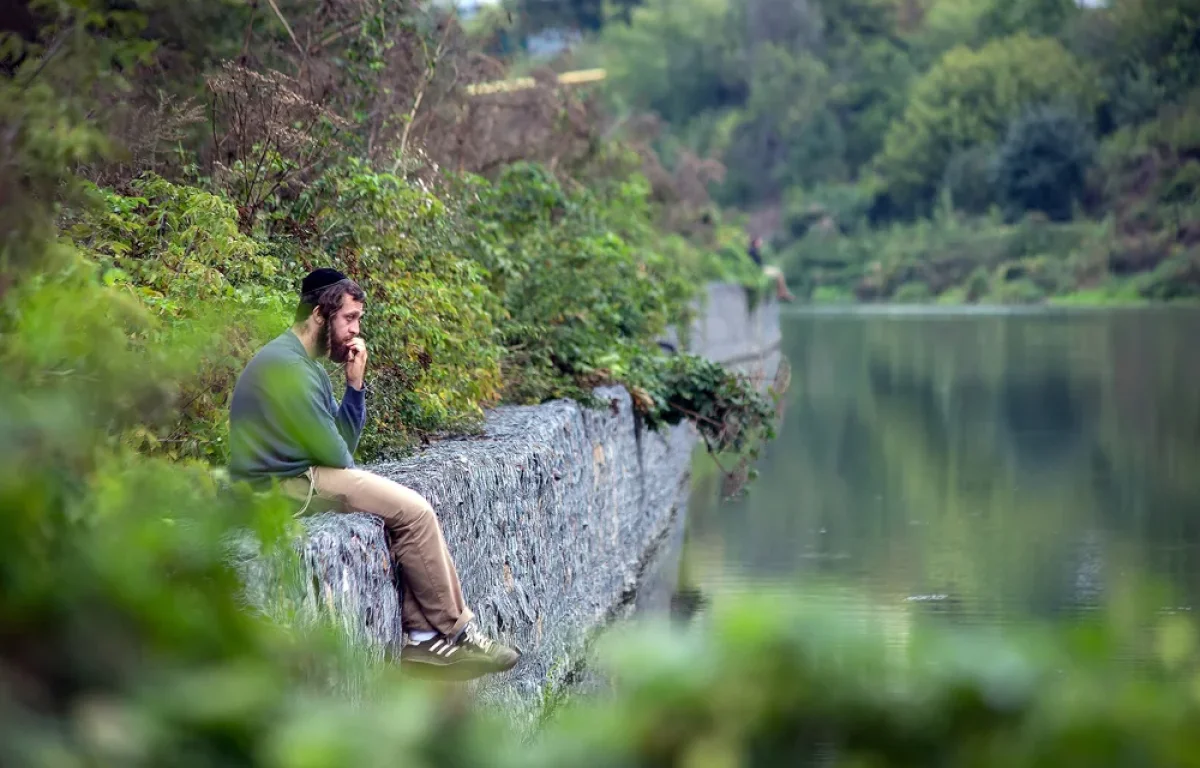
column 993, row 466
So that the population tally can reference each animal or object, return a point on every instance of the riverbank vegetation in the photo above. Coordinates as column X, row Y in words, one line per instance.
column 167, row 169
column 960, row 151
column 168, row 172
column 173, row 171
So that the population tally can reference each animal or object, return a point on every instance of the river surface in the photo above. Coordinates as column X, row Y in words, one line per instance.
column 1011, row 465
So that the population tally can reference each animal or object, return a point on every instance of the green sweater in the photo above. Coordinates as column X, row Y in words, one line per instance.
column 283, row 418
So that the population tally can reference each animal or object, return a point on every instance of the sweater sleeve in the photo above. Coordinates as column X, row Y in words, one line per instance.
column 304, row 415
column 755, row 255
column 352, row 416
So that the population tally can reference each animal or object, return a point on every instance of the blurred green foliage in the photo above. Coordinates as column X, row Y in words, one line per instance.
column 125, row 643
column 967, row 260
column 783, row 93
column 126, row 311
column 904, row 107
column 479, row 288
column 124, row 638
column 969, row 184
column 431, row 327
column 998, row 82
column 1043, row 164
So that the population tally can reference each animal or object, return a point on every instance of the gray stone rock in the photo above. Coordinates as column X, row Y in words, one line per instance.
column 549, row 517
column 342, row 573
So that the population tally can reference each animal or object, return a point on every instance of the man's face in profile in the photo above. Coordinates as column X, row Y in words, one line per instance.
column 341, row 328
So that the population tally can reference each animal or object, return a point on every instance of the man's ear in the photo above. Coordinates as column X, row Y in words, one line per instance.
column 317, row 317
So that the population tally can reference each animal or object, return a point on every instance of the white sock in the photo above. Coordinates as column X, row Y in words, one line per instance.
column 422, row 635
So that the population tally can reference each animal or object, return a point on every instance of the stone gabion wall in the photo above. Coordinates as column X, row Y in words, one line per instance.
column 343, row 572
column 555, row 516
column 552, row 517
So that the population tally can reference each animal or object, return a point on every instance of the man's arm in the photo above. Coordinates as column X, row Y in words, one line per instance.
column 755, row 254
column 298, row 404
column 352, row 413
column 352, row 416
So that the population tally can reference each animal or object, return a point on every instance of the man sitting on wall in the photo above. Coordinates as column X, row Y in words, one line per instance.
column 771, row 271
column 285, row 426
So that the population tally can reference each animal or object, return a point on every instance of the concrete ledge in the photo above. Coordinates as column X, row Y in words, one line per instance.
column 730, row 330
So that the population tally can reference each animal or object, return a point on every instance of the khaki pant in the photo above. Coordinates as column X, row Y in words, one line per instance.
column 433, row 598
column 776, row 274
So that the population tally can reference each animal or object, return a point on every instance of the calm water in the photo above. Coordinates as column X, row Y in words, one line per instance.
column 1008, row 466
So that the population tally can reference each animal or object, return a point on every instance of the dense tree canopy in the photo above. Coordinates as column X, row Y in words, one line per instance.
column 969, row 98
column 878, row 113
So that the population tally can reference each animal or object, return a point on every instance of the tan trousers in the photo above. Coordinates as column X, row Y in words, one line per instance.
column 433, row 598
column 781, row 289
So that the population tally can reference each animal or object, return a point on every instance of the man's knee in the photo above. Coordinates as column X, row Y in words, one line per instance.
column 362, row 491
column 420, row 511
column 409, row 509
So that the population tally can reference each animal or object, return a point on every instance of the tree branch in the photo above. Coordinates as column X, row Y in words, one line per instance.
column 288, row 27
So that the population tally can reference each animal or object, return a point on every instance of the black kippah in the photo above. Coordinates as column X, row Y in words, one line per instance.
column 320, row 278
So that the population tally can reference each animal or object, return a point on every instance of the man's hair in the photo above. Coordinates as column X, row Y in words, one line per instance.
column 328, row 299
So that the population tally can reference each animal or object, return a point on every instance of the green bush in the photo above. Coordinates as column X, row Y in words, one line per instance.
column 912, row 293
column 173, row 240
column 970, row 179
column 1019, row 290
column 1043, row 164
column 1183, row 185
column 582, row 283
column 1161, row 35
column 206, row 288
column 1134, row 95
column 1049, row 274
column 1174, row 131
column 968, row 99
column 830, row 294
column 1044, row 18
column 952, row 252
column 977, row 284
column 435, row 357
column 730, row 415
column 844, row 206
column 1176, row 278
column 700, row 70
column 66, row 334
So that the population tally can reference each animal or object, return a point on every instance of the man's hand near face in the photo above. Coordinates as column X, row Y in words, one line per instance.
column 356, row 363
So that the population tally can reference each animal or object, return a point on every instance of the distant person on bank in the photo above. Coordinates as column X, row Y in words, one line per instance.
column 781, row 289
column 285, row 426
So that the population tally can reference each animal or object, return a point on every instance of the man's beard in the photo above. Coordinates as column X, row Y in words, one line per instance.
column 337, row 352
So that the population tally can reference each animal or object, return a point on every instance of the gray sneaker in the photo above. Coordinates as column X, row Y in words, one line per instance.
column 468, row 656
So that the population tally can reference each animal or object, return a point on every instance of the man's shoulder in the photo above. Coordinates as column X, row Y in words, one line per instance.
column 279, row 353
column 278, row 373
column 284, row 348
